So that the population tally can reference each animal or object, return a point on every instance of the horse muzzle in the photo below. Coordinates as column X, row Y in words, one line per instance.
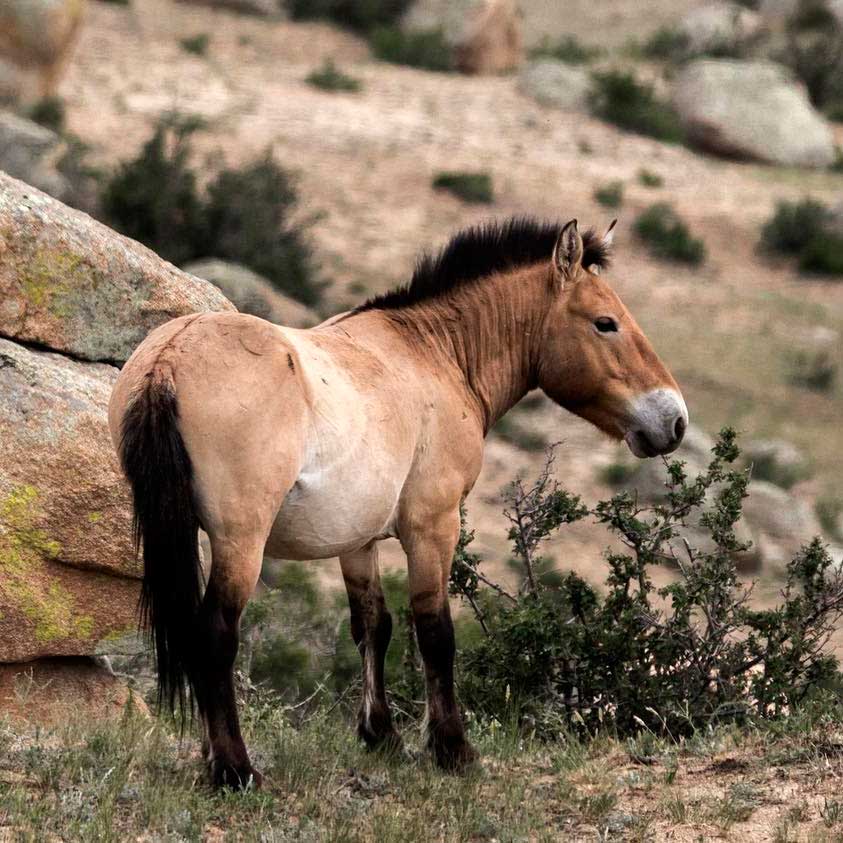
column 658, row 421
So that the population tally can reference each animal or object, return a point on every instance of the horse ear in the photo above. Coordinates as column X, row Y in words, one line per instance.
column 567, row 253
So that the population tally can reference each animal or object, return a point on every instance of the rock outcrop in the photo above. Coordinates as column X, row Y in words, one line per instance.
column 556, row 84
column 32, row 153
column 752, row 109
column 71, row 292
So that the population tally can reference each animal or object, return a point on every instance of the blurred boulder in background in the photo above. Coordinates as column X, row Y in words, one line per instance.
column 265, row 8
column 252, row 293
column 37, row 37
column 32, row 153
column 776, row 461
column 719, row 28
column 556, row 84
column 752, row 109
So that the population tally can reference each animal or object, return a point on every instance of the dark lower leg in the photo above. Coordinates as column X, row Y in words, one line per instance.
column 446, row 735
column 371, row 628
column 228, row 760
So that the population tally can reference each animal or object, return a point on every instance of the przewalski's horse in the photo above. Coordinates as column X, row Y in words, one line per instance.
column 319, row 443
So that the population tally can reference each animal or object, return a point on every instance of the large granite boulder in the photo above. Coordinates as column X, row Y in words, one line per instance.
column 32, row 153
column 71, row 284
column 752, row 109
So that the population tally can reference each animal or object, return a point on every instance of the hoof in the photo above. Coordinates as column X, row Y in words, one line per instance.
column 234, row 776
column 452, row 753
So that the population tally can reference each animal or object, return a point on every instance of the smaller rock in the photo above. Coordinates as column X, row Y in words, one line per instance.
column 32, row 153
column 776, row 461
column 252, row 293
column 752, row 109
column 490, row 41
column 556, row 84
column 719, row 28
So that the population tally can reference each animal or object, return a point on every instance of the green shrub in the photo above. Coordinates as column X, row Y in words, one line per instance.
column 616, row 473
column 814, row 370
column 474, row 188
column 154, row 198
column 568, row 49
column 667, row 237
column 511, row 430
column 805, row 229
column 667, row 44
column 610, row 195
column 830, row 515
column 566, row 657
column 248, row 215
column 426, row 49
column 49, row 112
column 330, row 78
column 196, row 44
column 650, row 179
column 360, row 15
column 620, row 99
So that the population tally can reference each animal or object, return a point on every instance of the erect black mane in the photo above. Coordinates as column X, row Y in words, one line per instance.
column 480, row 251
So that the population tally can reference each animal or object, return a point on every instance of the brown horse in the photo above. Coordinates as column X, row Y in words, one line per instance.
column 319, row 443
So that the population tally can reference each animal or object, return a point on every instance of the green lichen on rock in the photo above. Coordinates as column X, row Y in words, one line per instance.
column 48, row 280
column 23, row 576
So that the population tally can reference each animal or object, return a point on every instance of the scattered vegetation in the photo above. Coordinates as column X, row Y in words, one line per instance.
column 815, row 370
column 667, row 236
column 568, row 49
column 425, row 49
column 830, row 515
column 610, row 195
column 616, row 473
column 360, row 15
column 650, row 179
column 247, row 215
column 667, row 44
column 330, row 78
column 196, row 44
column 474, row 188
column 512, row 429
column 50, row 113
column 620, row 99
column 807, row 230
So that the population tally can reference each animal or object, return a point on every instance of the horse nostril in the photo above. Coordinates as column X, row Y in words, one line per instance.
column 679, row 429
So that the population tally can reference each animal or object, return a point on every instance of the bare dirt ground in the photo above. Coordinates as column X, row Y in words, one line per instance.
column 365, row 163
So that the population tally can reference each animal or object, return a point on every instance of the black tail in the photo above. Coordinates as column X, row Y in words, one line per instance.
column 160, row 473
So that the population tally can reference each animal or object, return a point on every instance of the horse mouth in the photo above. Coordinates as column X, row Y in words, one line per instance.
column 640, row 445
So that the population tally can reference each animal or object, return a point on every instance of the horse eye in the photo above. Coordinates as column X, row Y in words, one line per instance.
column 605, row 324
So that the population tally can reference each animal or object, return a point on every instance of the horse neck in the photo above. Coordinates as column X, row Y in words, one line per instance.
column 489, row 331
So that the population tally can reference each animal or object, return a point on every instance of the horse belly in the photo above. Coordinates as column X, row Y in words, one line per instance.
column 327, row 515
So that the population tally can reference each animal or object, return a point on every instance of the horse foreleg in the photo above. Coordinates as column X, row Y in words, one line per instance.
column 233, row 578
column 430, row 550
column 371, row 629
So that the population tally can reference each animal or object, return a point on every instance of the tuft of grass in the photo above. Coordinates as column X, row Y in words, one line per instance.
column 359, row 15
column 667, row 236
column 474, row 188
column 568, row 49
column 616, row 473
column 649, row 179
column 426, row 49
column 330, row 78
column 814, row 370
column 197, row 44
column 666, row 44
column 610, row 195
column 620, row 99
column 49, row 112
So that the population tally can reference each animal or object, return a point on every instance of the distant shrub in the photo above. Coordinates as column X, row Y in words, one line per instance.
column 620, row 99
column 650, row 179
column 633, row 658
column 248, row 215
column 610, row 195
column 616, row 473
column 568, row 49
column 49, row 112
column 805, row 229
column 360, row 15
column 666, row 43
column 830, row 515
column 426, row 49
column 196, row 44
column 511, row 430
column 330, row 78
column 667, row 236
column 814, row 370
column 154, row 198
column 474, row 188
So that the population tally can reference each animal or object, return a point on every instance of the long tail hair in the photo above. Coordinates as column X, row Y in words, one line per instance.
column 160, row 474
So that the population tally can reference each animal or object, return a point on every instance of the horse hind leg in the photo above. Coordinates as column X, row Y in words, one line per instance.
column 371, row 629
